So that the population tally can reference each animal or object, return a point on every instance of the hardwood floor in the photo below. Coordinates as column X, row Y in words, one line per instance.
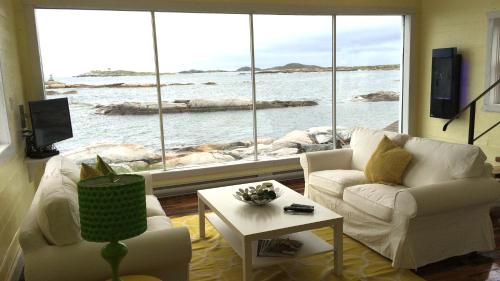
column 471, row 267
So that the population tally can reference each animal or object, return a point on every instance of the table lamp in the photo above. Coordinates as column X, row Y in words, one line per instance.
column 112, row 208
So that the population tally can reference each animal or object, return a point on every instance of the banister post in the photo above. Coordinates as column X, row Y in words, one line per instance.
column 472, row 120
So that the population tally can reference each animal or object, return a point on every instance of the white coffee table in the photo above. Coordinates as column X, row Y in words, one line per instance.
column 242, row 225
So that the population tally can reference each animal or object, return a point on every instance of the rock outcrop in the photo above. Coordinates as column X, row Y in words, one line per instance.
column 378, row 96
column 60, row 85
column 52, row 93
column 196, row 105
column 114, row 153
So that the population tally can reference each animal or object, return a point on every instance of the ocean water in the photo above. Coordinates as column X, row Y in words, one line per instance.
column 186, row 129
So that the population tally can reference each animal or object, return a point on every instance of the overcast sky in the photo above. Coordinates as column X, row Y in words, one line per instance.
column 74, row 42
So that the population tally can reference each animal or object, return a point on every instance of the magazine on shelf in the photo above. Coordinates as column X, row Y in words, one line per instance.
column 280, row 247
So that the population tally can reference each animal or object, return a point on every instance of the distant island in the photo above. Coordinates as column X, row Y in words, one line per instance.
column 111, row 73
column 287, row 68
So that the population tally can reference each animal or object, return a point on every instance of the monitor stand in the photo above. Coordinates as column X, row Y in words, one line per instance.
column 34, row 152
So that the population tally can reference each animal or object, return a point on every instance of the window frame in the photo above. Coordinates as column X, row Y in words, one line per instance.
column 492, row 53
column 406, row 66
column 6, row 145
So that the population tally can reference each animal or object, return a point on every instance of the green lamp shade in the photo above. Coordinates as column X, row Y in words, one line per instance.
column 112, row 208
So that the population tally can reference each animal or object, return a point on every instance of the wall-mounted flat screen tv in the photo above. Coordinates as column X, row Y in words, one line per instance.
column 50, row 121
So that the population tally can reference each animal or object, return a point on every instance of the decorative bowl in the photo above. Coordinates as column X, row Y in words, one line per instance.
column 259, row 195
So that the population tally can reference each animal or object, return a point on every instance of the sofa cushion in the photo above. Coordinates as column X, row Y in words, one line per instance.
column 374, row 199
column 334, row 181
column 153, row 206
column 388, row 163
column 58, row 215
column 437, row 161
column 63, row 165
column 365, row 141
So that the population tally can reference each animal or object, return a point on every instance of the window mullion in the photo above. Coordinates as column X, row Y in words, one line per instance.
column 254, row 97
column 158, row 89
column 334, row 81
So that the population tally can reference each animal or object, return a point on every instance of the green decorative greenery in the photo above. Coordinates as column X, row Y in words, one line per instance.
column 259, row 195
column 104, row 167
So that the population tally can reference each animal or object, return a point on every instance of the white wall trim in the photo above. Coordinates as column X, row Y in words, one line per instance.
column 217, row 7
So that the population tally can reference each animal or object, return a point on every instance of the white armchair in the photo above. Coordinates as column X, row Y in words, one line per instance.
column 162, row 251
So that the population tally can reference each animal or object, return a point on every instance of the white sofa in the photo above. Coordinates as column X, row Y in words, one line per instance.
column 440, row 211
column 54, row 250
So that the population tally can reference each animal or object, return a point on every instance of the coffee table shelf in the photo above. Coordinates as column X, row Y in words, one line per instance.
column 312, row 244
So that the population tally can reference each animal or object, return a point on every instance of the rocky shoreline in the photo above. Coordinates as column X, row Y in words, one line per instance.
column 195, row 105
column 126, row 158
column 135, row 157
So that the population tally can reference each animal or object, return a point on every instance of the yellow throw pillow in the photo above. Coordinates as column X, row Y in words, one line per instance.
column 87, row 172
column 388, row 163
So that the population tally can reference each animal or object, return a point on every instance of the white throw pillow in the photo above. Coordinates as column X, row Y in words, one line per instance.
column 58, row 214
column 365, row 141
column 438, row 161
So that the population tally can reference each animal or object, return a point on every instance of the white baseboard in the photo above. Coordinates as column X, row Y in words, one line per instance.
column 192, row 188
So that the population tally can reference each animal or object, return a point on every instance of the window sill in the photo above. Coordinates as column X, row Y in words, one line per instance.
column 6, row 152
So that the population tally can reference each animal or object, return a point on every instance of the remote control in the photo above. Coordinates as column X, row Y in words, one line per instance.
column 300, row 205
column 298, row 209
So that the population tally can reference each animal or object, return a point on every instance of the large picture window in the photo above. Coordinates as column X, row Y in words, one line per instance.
column 215, row 107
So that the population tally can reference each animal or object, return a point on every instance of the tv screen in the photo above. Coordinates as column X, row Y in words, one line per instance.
column 442, row 74
column 50, row 121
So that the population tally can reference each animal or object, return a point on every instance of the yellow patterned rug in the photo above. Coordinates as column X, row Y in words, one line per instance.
column 214, row 259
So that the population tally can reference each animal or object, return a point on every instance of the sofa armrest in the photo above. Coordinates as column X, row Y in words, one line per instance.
column 447, row 196
column 148, row 254
column 148, row 181
column 326, row 160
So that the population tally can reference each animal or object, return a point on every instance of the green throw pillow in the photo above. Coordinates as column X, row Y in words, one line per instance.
column 388, row 163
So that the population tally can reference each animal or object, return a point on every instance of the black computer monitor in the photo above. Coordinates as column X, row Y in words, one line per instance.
column 50, row 121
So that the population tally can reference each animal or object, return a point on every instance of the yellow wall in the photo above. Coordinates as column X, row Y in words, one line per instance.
column 462, row 24
column 16, row 192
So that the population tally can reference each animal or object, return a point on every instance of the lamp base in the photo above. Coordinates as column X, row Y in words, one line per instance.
column 113, row 253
